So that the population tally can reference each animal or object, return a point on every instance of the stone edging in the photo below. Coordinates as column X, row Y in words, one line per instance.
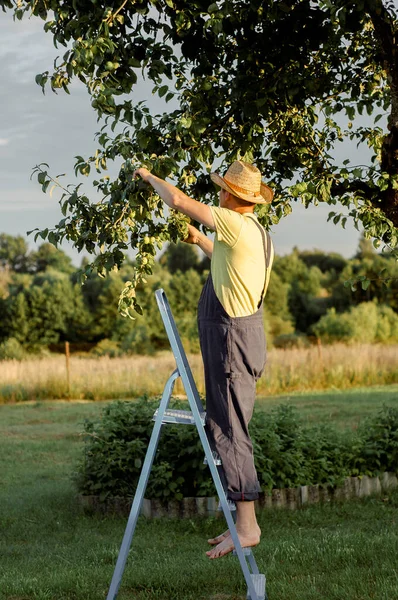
column 292, row 498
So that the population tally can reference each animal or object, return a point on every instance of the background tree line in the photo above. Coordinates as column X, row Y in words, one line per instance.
column 42, row 305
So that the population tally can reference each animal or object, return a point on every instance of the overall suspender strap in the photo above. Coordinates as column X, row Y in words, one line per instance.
column 267, row 255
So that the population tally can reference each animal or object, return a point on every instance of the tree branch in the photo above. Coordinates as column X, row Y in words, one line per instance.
column 338, row 189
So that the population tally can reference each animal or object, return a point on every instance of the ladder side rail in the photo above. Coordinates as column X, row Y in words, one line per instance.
column 227, row 514
column 177, row 348
column 140, row 491
column 253, row 564
column 180, row 356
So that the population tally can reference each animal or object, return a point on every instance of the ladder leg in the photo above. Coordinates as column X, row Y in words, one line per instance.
column 253, row 564
column 140, row 491
column 227, row 513
column 238, row 548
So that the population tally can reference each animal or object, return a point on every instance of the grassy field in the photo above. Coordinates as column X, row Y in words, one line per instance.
column 51, row 551
column 315, row 368
column 343, row 408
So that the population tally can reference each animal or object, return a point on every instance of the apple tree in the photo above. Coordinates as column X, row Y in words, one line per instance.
column 280, row 82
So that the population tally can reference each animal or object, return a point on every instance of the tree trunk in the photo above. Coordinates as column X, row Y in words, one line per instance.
column 385, row 30
column 389, row 164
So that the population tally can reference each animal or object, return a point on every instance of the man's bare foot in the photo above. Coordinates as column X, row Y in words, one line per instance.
column 246, row 540
column 219, row 538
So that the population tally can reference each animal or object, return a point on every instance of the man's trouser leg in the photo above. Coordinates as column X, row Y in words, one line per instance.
column 234, row 358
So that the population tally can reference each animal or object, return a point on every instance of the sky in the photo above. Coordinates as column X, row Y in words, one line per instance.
column 54, row 128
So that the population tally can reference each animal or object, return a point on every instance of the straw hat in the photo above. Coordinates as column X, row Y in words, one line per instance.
column 244, row 181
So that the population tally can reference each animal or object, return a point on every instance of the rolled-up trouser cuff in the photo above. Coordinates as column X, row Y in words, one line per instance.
column 242, row 497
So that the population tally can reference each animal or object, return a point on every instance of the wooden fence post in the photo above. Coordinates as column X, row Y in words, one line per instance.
column 67, row 368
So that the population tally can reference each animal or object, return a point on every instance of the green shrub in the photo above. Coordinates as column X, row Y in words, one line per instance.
column 378, row 451
column 106, row 348
column 138, row 340
column 291, row 340
column 276, row 326
column 11, row 349
column 366, row 323
column 387, row 325
column 115, row 449
column 333, row 327
column 287, row 454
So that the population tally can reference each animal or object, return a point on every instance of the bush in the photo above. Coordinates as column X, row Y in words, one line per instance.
column 365, row 323
column 138, row 340
column 291, row 340
column 275, row 326
column 287, row 454
column 115, row 449
column 387, row 325
column 378, row 451
column 11, row 349
column 106, row 348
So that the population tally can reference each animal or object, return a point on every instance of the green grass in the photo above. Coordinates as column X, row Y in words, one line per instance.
column 343, row 408
column 51, row 551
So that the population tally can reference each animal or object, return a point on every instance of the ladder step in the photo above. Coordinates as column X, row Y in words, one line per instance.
column 231, row 505
column 216, row 459
column 246, row 551
column 182, row 417
column 259, row 587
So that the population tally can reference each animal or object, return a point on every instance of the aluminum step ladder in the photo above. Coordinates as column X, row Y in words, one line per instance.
column 196, row 416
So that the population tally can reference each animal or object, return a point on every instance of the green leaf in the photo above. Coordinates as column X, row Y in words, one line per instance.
column 138, row 309
column 41, row 177
column 186, row 122
column 365, row 284
column 52, row 238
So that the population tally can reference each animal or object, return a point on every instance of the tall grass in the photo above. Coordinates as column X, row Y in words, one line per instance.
column 313, row 368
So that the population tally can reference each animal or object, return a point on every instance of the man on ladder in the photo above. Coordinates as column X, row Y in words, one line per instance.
column 230, row 321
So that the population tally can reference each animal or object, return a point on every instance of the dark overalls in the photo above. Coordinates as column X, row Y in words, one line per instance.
column 234, row 353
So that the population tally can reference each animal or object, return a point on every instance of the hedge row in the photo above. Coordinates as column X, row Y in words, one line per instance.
column 287, row 453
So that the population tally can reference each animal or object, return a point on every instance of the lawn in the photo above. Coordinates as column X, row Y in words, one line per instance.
column 343, row 408
column 51, row 551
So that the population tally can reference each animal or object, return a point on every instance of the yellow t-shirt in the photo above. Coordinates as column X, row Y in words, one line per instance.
column 238, row 261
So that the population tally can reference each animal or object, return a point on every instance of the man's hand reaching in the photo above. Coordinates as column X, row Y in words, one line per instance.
column 143, row 173
column 193, row 235
column 198, row 238
column 176, row 199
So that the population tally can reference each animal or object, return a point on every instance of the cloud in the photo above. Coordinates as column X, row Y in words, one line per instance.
column 27, row 198
column 4, row 141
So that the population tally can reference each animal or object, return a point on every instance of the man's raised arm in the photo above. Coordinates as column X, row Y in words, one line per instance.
column 175, row 198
